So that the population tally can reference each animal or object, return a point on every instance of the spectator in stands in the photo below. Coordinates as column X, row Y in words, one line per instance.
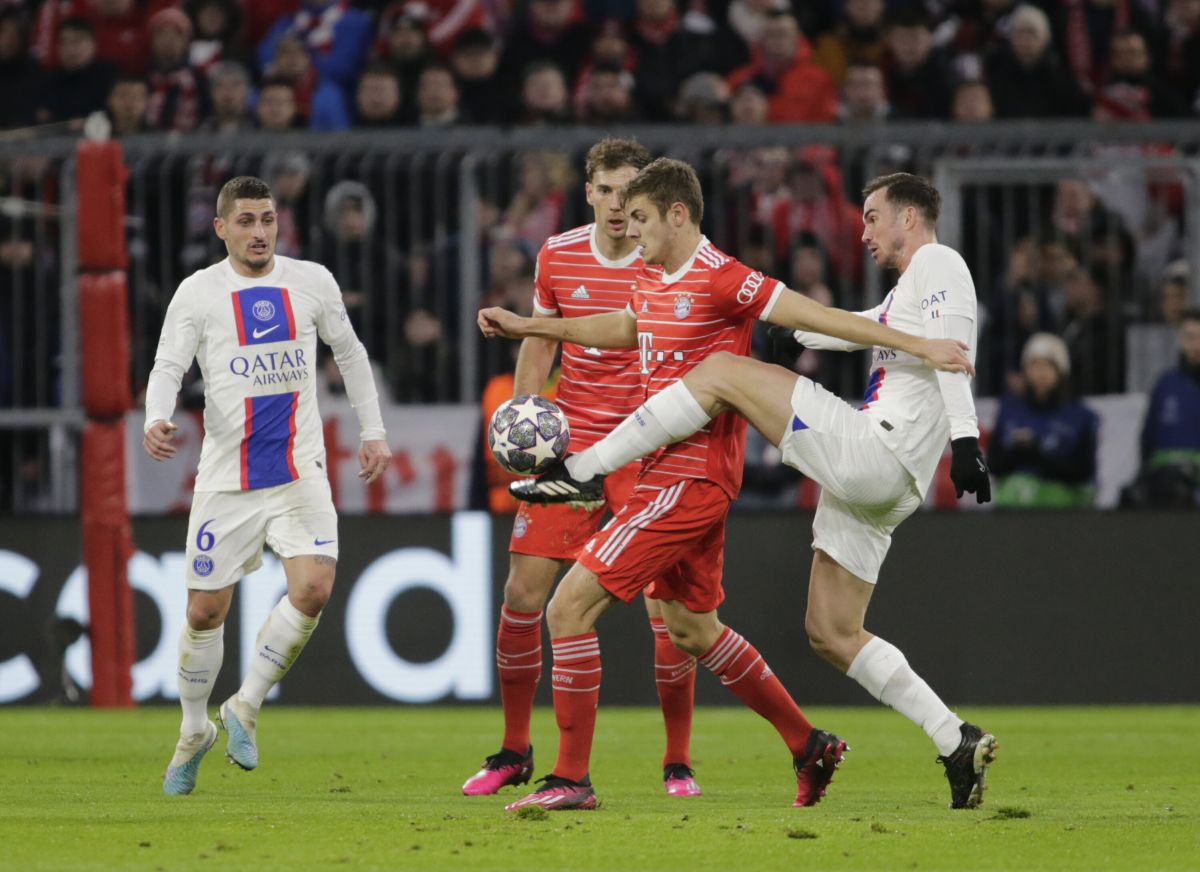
column 1025, row 76
column 22, row 81
column 377, row 100
column 919, row 77
column 229, row 90
column 551, row 32
column 1180, row 54
column 544, row 97
column 118, row 27
column 748, row 104
column 178, row 94
column 978, row 28
column 1173, row 292
column 288, row 174
column 336, row 35
column 403, row 43
column 80, row 84
column 1083, row 30
column 796, row 88
column 319, row 102
column 1080, row 218
column 536, row 210
column 1043, row 445
column 276, row 108
column 669, row 47
column 29, row 317
column 1171, row 433
column 703, row 99
column 447, row 20
column 748, row 18
column 864, row 98
column 1131, row 91
column 437, row 98
column 474, row 60
column 127, row 104
column 1018, row 312
column 1095, row 335
column 608, row 98
column 218, row 33
column 858, row 38
column 972, row 102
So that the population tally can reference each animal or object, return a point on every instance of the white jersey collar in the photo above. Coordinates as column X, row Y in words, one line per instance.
column 627, row 260
column 247, row 281
column 672, row 278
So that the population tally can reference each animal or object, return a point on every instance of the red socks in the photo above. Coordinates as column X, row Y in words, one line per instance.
column 519, row 660
column 675, row 679
column 742, row 669
column 576, row 680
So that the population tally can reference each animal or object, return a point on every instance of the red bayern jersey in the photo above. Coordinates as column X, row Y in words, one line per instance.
column 598, row 387
column 709, row 305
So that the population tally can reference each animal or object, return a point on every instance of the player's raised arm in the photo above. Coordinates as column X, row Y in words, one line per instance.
column 534, row 362
column 801, row 313
column 336, row 331
column 608, row 330
column 177, row 346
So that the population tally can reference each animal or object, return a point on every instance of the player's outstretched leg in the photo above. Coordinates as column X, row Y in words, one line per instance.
column 675, row 680
column 966, row 767
column 200, row 656
column 519, row 662
column 279, row 642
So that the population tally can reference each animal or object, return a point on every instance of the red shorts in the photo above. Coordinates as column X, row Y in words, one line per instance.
column 670, row 542
column 560, row 531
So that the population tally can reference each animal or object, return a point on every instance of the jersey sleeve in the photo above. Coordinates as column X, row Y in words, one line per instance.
column 741, row 292
column 544, row 302
column 333, row 324
column 181, row 329
column 942, row 284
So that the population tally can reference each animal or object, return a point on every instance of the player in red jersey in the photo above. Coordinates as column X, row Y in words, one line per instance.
column 691, row 301
column 581, row 272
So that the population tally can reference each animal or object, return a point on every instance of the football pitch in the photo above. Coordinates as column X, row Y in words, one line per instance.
column 1078, row 788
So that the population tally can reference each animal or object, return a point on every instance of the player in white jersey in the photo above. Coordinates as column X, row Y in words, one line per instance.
column 874, row 464
column 252, row 321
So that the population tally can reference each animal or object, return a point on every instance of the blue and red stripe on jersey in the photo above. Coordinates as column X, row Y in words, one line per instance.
column 269, row 440
column 263, row 314
column 873, row 386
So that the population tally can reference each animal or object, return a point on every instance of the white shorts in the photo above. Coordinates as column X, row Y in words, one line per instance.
column 227, row 529
column 865, row 490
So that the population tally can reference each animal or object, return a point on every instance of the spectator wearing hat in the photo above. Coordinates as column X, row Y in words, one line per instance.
column 178, row 93
column 1025, row 75
column 403, row 43
column 474, row 60
column 336, row 36
column 80, row 84
column 1043, row 445
column 1173, row 293
column 796, row 88
column 919, row 77
column 551, row 31
column 703, row 99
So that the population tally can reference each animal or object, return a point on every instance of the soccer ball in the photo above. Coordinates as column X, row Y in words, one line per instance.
column 528, row 434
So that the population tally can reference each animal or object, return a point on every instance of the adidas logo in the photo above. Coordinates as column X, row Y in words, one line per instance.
column 645, row 308
column 580, row 293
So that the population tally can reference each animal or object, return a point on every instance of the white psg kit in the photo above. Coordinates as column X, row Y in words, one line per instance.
column 874, row 465
column 903, row 395
column 256, row 342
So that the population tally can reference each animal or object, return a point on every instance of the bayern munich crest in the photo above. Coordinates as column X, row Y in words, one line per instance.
column 683, row 306
column 520, row 526
column 203, row 565
column 264, row 310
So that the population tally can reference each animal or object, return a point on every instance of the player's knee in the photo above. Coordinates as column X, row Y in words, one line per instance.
column 203, row 615
column 524, row 594
column 820, row 638
column 311, row 595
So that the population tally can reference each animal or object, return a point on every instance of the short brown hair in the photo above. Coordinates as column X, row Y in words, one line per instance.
column 242, row 188
column 612, row 154
column 905, row 189
column 664, row 182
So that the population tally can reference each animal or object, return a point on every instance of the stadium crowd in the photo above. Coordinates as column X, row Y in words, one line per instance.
column 1096, row 267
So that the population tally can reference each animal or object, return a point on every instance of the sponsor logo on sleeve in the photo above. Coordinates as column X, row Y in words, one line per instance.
column 750, row 287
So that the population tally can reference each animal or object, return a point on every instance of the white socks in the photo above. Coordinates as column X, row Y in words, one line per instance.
column 886, row 675
column 669, row 416
column 200, row 656
column 280, row 641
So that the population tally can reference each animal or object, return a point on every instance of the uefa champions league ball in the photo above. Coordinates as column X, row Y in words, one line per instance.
column 528, row 434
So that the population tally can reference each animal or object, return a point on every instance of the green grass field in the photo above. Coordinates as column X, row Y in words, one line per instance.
column 1087, row 789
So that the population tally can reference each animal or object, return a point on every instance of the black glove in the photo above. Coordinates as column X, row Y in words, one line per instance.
column 968, row 470
column 784, row 347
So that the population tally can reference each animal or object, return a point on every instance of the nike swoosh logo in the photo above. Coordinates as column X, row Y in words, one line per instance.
column 259, row 334
column 323, row 541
